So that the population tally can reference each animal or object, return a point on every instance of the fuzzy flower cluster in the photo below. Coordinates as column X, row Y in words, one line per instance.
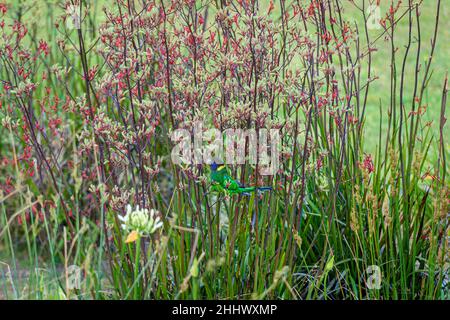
column 143, row 221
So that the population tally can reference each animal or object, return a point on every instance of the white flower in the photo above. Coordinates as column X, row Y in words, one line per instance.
column 140, row 220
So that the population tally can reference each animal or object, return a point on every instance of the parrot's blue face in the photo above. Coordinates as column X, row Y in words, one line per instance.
column 214, row 166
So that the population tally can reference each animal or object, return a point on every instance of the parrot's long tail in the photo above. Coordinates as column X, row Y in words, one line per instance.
column 251, row 189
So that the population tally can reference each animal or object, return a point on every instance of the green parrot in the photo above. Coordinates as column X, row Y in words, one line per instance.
column 221, row 181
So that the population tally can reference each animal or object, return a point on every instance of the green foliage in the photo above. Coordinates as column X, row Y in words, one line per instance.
column 350, row 197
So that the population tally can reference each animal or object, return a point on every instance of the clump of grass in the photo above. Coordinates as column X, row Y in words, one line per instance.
column 88, row 118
